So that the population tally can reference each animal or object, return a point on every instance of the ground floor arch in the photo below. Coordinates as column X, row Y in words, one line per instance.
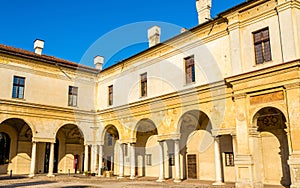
column 270, row 124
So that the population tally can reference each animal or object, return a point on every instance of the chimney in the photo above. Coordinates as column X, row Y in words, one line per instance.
column 38, row 46
column 154, row 36
column 203, row 9
column 98, row 62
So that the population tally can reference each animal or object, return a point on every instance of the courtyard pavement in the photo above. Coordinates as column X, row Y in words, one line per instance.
column 81, row 181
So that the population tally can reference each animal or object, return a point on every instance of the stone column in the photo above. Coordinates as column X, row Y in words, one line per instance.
column 94, row 158
column 161, row 177
column 293, row 132
column 51, row 161
column 100, row 160
column 121, row 161
column 177, row 161
column 218, row 164
column 33, row 160
column 86, row 158
column 132, row 161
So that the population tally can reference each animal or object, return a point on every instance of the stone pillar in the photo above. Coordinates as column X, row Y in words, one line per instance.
column 121, row 161
column 132, row 161
column 33, row 160
column 86, row 158
column 94, row 158
column 218, row 164
column 243, row 159
column 177, row 161
column 161, row 177
column 51, row 161
column 100, row 160
column 293, row 104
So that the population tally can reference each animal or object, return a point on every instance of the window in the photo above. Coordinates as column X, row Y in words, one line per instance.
column 4, row 148
column 229, row 161
column 148, row 159
column 73, row 93
column 109, row 139
column 189, row 70
column 110, row 95
column 144, row 85
column 18, row 87
column 171, row 159
column 262, row 46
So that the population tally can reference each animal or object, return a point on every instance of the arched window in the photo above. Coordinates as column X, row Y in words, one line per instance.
column 4, row 148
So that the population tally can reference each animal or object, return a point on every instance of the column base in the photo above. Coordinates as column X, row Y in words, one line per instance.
column 31, row 175
column 218, row 183
column 132, row 177
column 120, row 177
column 100, row 176
column 177, row 180
column 160, row 180
column 50, row 175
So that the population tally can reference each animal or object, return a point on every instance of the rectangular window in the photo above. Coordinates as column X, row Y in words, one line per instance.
column 18, row 87
column 144, row 85
column 73, row 93
column 262, row 46
column 229, row 160
column 171, row 159
column 109, row 139
column 110, row 95
column 189, row 69
column 148, row 159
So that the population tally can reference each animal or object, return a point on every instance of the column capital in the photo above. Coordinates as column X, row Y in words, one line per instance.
column 129, row 140
column 292, row 86
column 172, row 136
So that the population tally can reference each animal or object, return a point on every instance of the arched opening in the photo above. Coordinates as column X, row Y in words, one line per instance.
column 271, row 123
column 111, row 136
column 69, row 147
column 196, row 146
column 146, row 153
column 16, row 144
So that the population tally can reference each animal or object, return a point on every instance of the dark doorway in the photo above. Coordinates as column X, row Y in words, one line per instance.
column 192, row 166
column 47, row 157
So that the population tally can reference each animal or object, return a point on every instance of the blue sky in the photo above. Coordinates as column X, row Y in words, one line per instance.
column 70, row 28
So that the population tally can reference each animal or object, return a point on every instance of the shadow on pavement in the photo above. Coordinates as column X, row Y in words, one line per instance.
column 29, row 184
column 12, row 178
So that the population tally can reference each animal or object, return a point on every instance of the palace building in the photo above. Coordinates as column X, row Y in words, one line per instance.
column 219, row 102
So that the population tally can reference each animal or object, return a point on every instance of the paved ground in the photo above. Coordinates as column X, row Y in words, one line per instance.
column 80, row 181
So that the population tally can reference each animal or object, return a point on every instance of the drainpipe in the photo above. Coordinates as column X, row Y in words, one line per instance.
column 280, row 35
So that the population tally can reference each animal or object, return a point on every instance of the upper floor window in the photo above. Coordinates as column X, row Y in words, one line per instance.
column 110, row 95
column 144, row 84
column 73, row 95
column 262, row 46
column 189, row 69
column 18, row 87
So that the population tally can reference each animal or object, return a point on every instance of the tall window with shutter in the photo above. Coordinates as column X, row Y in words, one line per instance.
column 144, row 85
column 262, row 46
column 189, row 69
column 18, row 87
column 73, row 95
column 110, row 95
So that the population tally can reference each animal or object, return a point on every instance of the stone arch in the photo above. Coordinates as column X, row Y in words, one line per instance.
column 146, row 147
column 69, row 123
column 107, row 128
column 69, row 145
column 196, row 145
column 19, row 120
column 270, row 124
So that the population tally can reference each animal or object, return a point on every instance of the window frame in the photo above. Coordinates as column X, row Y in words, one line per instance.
column 229, row 158
column 148, row 159
column 262, row 46
column 171, row 159
column 144, row 84
column 189, row 69
column 16, row 93
column 110, row 95
column 73, row 96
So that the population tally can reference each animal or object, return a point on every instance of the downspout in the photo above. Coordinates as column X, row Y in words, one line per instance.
column 280, row 35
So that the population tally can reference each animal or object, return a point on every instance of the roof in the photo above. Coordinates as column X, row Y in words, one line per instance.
column 44, row 58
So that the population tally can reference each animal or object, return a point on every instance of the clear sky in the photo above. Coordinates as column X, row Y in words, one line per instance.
column 69, row 28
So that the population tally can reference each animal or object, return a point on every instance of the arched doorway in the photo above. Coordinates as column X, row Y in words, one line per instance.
column 69, row 148
column 16, row 144
column 111, row 136
column 196, row 146
column 271, row 124
column 147, row 149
